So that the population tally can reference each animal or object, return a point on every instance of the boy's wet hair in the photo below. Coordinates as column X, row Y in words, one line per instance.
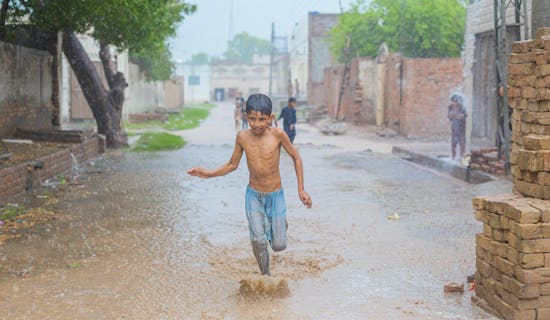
column 291, row 100
column 260, row 103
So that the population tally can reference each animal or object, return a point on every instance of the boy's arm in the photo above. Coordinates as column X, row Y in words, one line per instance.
column 298, row 166
column 226, row 168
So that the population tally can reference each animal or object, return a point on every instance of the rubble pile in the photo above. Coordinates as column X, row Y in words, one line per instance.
column 487, row 160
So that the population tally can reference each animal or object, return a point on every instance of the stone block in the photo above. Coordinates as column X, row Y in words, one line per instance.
column 521, row 69
column 535, row 142
column 531, row 261
column 542, row 94
column 526, row 231
column 545, row 289
column 542, row 71
column 528, row 116
column 543, row 313
column 520, row 290
column 540, row 56
column 543, row 178
column 533, row 246
column 504, row 266
column 523, row 46
column 543, row 118
column 524, row 57
column 531, row 93
column 521, row 212
column 542, row 205
column 533, row 276
column 485, row 268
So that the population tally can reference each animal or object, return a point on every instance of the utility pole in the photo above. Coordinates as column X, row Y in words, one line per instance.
column 271, row 57
column 230, row 31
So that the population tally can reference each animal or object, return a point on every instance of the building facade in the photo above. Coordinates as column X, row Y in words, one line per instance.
column 196, row 82
column 310, row 55
column 480, row 81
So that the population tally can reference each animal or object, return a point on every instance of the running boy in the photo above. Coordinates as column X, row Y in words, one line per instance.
column 264, row 200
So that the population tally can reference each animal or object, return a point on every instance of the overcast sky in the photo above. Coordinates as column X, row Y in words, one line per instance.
column 208, row 29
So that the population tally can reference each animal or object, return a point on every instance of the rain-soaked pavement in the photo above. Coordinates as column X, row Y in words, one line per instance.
column 146, row 241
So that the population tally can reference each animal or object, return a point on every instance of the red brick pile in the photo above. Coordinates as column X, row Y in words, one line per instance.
column 487, row 160
column 513, row 252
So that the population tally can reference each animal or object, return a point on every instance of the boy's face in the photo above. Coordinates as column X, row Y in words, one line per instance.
column 292, row 104
column 258, row 122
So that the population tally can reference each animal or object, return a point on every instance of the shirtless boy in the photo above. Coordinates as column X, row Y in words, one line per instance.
column 265, row 201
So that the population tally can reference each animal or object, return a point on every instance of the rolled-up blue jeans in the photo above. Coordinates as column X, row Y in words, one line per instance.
column 266, row 214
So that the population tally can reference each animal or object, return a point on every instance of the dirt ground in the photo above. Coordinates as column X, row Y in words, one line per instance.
column 143, row 240
column 22, row 152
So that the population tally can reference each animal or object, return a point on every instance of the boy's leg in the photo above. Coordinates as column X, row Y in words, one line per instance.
column 276, row 216
column 256, row 222
column 257, row 227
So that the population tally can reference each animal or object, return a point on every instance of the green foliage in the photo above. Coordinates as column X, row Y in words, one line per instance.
column 157, row 141
column 243, row 46
column 199, row 59
column 188, row 118
column 11, row 210
column 142, row 26
column 155, row 62
column 433, row 28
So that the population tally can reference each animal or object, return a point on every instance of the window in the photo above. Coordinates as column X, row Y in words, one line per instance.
column 194, row 80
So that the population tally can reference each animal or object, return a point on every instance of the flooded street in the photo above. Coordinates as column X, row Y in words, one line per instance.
column 144, row 240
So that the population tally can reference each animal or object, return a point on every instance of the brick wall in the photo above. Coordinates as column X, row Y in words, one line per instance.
column 25, row 89
column 416, row 96
column 427, row 87
column 319, row 55
column 13, row 180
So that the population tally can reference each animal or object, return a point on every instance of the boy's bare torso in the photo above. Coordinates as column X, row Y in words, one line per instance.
column 262, row 157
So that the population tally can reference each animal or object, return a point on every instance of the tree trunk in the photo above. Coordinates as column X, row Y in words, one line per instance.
column 3, row 17
column 106, row 104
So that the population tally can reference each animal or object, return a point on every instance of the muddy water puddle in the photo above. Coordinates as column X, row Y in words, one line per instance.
column 145, row 241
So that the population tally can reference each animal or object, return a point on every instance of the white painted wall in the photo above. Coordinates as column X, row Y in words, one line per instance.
column 299, row 54
column 195, row 93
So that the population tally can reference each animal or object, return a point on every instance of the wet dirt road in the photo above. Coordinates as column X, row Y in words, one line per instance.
column 145, row 241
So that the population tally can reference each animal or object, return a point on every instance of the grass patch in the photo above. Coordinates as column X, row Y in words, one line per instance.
column 157, row 141
column 11, row 211
column 188, row 118
column 143, row 125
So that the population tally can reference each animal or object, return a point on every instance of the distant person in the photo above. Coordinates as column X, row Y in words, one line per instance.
column 289, row 88
column 289, row 118
column 237, row 113
column 457, row 115
column 264, row 199
column 242, row 105
column 296, row 88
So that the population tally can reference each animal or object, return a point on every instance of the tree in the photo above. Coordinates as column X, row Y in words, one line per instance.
column 243, row 46
column 198, row 59
column 142, row 26
column 433, row 28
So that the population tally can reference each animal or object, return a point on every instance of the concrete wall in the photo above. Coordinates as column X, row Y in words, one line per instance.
column 73, row 105
column 142, row 96
column 299, row 53
column 541, row 15
column 319, row 56
column 195, row 93
column 173, row 93
column 25, row 89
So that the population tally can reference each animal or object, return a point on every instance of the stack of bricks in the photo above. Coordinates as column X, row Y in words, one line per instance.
column 487, row 160
column 529, row 98
column 513, row 252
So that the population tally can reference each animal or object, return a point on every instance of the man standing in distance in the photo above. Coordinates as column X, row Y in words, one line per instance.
column 289, row 118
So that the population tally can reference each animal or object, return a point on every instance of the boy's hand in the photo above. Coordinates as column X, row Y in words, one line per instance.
column 198, row 172
column 306, row 199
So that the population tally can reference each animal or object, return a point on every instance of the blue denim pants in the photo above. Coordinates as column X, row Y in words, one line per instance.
column 266, row 214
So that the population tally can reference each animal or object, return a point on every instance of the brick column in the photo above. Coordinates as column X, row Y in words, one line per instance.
column 513, row 252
